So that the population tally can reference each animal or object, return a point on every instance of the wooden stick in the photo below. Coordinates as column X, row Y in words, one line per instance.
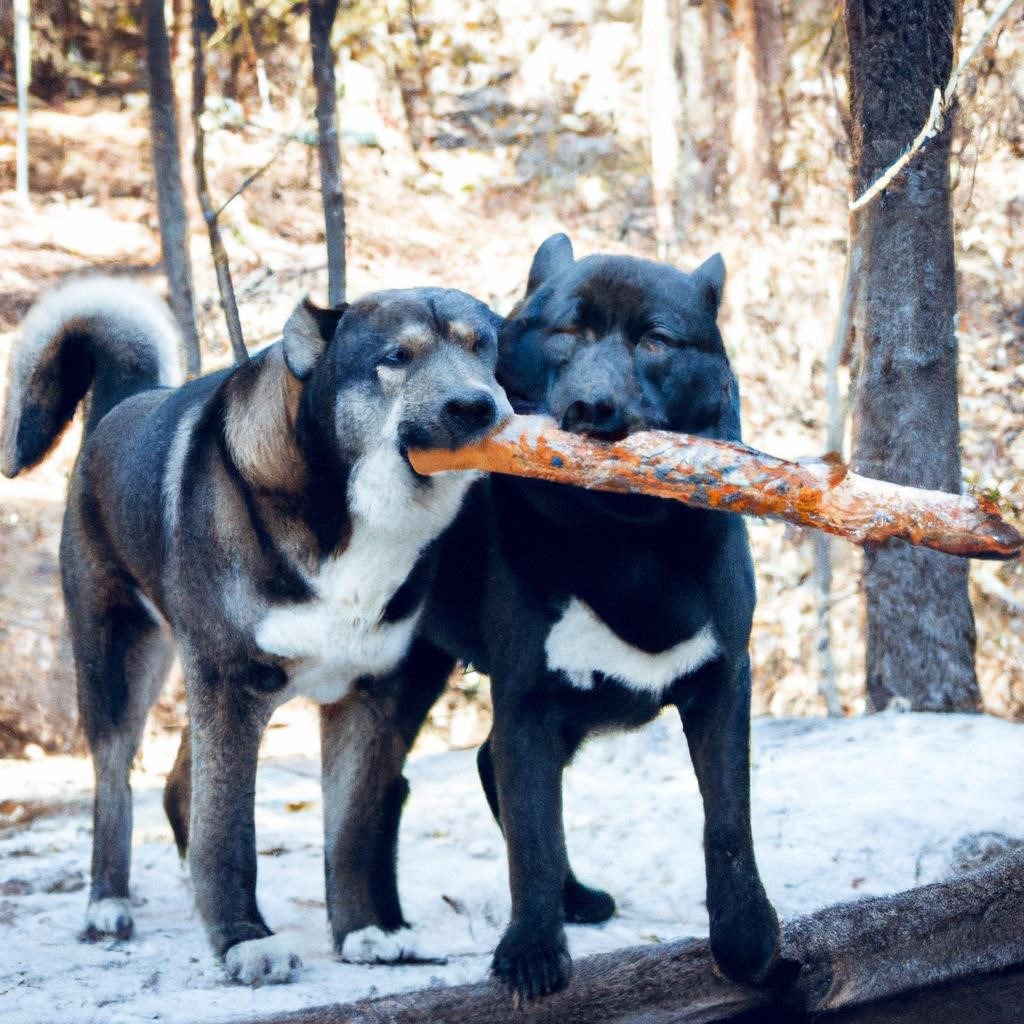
column 820, row 493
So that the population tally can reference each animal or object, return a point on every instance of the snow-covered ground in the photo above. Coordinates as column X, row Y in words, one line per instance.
column 842, row 809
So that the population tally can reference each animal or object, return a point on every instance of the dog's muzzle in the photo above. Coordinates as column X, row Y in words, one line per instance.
column 461, row 418
column 469, row 414
column 600, row 418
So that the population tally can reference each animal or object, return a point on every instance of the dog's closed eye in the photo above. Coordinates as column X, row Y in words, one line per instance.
column 396, row 357
column 657, row 338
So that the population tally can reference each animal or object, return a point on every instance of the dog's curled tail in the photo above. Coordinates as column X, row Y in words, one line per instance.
column 98, row 336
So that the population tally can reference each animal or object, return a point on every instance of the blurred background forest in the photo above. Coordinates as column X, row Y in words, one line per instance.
column 469, row 132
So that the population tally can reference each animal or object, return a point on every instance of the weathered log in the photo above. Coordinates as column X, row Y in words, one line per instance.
column 820, row 493
column 844, row 956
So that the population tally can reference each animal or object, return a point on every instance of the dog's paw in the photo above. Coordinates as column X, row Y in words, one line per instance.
column 531, row 966
column 108, row 918
column 372, row 945
column 746, row 950
column 584, row 905
column 268, row 961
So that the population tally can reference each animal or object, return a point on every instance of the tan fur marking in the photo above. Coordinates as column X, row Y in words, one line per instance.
column 260, row 428
column 464, row 334
column 416, row 337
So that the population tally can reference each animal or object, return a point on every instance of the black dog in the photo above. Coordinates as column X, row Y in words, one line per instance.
column 267, row 517
column 593, row 611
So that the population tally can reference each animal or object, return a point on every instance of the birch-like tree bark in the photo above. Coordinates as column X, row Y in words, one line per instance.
column 163, row 128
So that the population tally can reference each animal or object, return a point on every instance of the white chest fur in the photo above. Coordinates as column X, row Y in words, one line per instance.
column 338, row 636
column 580, row 644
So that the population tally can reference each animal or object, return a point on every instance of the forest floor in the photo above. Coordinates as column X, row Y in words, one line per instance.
column 843, row 808
column 472, row 219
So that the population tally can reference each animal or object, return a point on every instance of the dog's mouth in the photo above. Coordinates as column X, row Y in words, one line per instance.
column 608, row 436
column 403, row 451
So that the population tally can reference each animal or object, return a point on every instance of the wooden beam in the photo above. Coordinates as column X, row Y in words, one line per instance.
column 841, row 957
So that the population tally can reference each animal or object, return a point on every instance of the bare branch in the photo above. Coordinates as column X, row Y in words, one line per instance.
column 819, row 493
column 940, row 104
column 202, row 24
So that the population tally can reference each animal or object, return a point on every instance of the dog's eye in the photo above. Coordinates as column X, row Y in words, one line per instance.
column 396, row 357
column 654, row 339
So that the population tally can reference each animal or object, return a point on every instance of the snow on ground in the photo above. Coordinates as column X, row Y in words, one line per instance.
column 842, row 809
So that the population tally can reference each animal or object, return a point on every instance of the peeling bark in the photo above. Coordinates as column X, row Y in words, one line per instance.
column 819, row 493
column 844, row 956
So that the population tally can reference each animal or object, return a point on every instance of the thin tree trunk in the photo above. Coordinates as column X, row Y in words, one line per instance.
column 920, row 627
column 167, row 170
column 717, row 62
column 332, row 189
column 759, row 102
column 255, row 55
column 824, row 545
column 409, row 69
column 664, row 116
column 202, row 25
column 23, row 76
column 181, row 75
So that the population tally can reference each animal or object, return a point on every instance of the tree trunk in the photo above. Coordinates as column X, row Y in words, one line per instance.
column 181, row 75
column 23, row 75
column 659, row 31
column 163, row 128
column 759, row 98
column 332, row 189
column 920, row 627
column 838, row 958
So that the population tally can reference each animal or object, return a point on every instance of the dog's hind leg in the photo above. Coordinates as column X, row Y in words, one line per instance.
column 178, row 793
column 364, row 742
column 122, row 657
column 715, row 710
column 583, row 904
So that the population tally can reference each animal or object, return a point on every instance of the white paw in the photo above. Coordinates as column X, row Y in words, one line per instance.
column 269, row 961
column 373, row 946
column 111, row 916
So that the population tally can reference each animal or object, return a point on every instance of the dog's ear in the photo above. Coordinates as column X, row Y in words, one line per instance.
column 553, row 256
column 307, row 334
column 710, row 280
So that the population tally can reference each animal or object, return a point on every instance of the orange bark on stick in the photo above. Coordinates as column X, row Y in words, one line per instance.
column 820, row 493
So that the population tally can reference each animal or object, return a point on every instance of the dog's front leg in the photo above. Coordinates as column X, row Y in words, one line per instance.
column 532, row 958
column 364, row 740
column 716, row 719
column 364, row 790
column 227, row 720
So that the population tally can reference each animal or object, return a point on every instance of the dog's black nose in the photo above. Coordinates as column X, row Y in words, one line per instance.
column 471, row 411
column 599, row 418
